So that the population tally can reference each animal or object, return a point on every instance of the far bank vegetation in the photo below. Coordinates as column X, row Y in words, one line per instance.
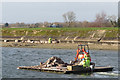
column 101, row 20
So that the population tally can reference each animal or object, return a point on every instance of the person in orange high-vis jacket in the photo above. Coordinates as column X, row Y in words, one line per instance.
column 83, row 56
column 88, row 55
column 79, row 56
column 78, row 50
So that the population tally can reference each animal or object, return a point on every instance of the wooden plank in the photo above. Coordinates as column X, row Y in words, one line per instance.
column 103, row 69
column 41, row 69
column 65, row 71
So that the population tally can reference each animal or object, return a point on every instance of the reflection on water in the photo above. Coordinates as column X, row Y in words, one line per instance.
column 14, row 57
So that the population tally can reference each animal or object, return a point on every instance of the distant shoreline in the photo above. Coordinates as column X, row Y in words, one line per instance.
column 58, row 46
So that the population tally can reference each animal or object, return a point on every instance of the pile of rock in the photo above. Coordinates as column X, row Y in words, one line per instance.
column 54, row 62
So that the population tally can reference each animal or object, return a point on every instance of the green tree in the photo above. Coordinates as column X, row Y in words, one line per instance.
column 119, row 22
column 6, row 24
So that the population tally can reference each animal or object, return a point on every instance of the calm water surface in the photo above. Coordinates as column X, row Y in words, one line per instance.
column 14, row 57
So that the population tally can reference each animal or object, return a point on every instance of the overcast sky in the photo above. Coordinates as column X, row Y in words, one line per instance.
column 32, row 12
column 60, row 0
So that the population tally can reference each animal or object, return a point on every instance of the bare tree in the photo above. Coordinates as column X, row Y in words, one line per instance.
column 69, row 17
column 113, row 20
column 101, row 17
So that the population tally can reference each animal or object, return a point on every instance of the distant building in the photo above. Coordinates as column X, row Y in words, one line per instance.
column 43, row 26
column 55, row 26
column 1, row 25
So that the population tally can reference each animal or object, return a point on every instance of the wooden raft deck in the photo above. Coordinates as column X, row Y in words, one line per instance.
column 51, row 69
column 64, row 69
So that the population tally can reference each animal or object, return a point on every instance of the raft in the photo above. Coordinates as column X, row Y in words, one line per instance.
column 65, row 71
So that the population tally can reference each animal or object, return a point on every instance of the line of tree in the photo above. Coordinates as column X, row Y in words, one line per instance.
column 101, row 20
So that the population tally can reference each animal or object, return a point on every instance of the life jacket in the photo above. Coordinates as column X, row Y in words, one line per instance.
column 86, row 55
column 81, row 56
column 78, row 50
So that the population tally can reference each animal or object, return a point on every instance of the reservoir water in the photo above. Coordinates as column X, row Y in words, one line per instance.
column 14, row 57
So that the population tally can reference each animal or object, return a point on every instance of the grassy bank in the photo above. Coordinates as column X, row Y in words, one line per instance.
column 87, row 28
column 110, row 32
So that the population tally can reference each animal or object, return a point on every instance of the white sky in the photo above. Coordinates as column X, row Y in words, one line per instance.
column 60, row 0
column 40, row 12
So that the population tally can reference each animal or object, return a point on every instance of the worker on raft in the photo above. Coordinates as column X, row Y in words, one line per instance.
column 83, row 58
column 50, row 40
